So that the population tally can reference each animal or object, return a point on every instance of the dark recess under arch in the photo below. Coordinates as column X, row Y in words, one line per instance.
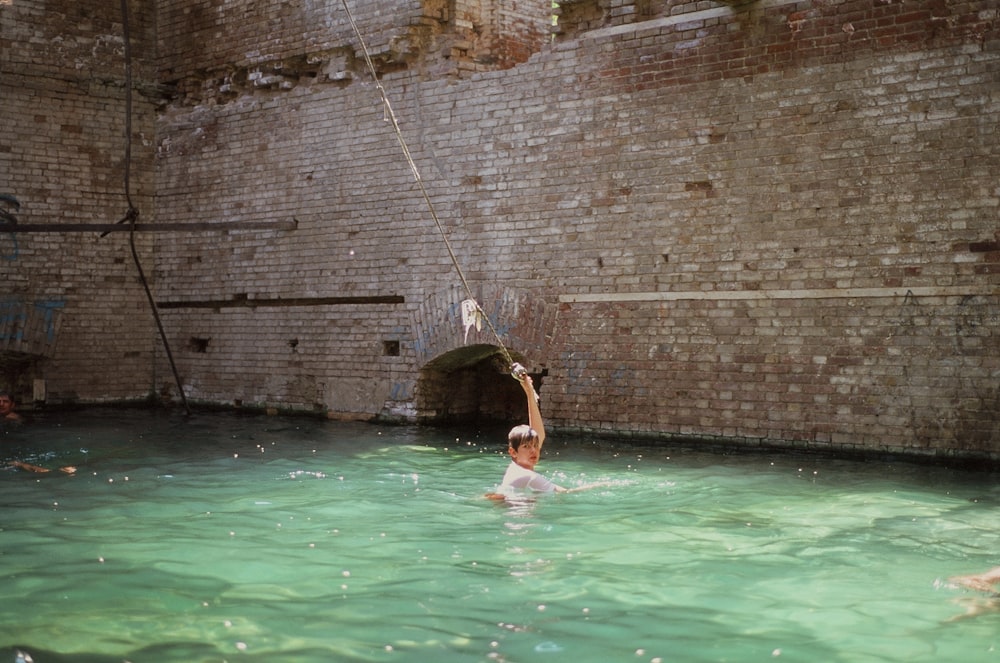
column 471, row 385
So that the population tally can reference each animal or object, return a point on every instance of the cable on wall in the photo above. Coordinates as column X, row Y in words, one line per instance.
column 132, row 215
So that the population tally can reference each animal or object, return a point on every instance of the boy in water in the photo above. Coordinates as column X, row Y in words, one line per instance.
column 524, row 444
column 7, row 412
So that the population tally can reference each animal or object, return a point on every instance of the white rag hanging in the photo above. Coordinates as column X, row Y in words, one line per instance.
column 472, row 315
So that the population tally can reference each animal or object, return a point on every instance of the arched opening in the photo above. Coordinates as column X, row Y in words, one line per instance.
column 471, row 385
column 18, row 376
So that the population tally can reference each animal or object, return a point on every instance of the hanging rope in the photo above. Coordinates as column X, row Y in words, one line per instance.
column 516, row 369
column 132, row 215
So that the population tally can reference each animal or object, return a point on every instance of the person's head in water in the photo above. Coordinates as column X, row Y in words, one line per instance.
column 524, row 446
column 7, row 407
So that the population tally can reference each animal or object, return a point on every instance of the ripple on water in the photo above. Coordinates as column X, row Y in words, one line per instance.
column 268, row 538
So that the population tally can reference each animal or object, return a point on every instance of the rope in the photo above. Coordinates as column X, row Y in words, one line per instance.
column 133, row 214
column 516, row 369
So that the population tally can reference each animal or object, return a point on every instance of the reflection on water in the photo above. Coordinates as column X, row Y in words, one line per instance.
column 222, row 537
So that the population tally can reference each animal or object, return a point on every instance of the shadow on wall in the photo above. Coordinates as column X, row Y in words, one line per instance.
column 17, row 371
column 471, row 385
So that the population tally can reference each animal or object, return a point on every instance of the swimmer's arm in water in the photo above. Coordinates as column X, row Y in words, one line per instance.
column 586, row 486
column 69, row 469
column 982, row 582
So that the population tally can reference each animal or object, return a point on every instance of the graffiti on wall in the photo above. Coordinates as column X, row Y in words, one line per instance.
column 8, row 246
column 29, row 327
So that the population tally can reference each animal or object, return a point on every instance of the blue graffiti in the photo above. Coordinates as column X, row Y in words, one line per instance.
column 422, row 344
column 400, row 391
column 494, row 317
column 48, row 309
column 10, row 254
column 14, row 318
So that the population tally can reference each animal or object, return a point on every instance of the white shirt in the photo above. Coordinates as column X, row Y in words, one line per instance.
column 523, row 478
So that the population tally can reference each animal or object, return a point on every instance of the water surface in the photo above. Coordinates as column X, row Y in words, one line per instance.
column 243, row 538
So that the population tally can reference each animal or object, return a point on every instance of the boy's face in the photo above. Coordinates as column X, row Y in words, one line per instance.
column 6, row 406
column 527, row 453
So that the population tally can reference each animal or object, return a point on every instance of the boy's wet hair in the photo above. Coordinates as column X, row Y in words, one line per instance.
column 520, row 434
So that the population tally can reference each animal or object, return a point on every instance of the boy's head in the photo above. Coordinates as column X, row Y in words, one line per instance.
column 524, row 447
column 520, row 434
column 6, row 403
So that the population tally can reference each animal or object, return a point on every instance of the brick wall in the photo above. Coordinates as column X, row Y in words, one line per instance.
column 815, row 188
column 769, row 223
column 75, row 314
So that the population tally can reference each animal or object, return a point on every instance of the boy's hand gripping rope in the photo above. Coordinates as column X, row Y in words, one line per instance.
column 519, row 372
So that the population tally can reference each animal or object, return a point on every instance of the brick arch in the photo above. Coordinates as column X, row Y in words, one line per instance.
column 526, row 324
column 464, row 375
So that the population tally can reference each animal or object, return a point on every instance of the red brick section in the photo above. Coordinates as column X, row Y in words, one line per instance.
column 794, row 35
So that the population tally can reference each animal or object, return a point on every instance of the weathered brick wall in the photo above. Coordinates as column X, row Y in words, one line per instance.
column 72, row 311
column 766, row 223
column 817, row 255
column 774, row 222
column 249, row 141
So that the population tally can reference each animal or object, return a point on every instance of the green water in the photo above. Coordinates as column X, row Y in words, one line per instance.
column 227, row 538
